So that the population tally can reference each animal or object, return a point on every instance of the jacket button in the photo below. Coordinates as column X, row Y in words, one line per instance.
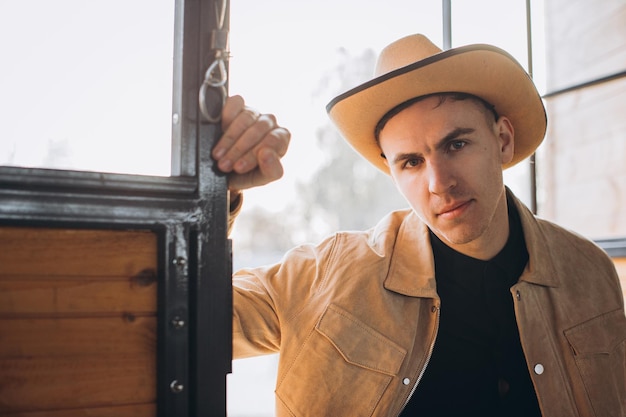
column 518, row 295
column 406, row 381
column 538, row 369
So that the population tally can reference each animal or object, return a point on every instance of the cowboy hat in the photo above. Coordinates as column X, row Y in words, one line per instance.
column 413, row 67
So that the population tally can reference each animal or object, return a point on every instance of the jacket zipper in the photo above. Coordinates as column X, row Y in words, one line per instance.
column 423, row 370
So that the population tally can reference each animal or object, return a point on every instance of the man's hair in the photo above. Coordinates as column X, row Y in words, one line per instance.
column 442, row 99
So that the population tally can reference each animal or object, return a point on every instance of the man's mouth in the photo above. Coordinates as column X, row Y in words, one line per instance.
column 453, row 210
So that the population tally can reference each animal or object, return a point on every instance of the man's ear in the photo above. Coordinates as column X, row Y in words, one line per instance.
column 506, row 136
column 382, row 155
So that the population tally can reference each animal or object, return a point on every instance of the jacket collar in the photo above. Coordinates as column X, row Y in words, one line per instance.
column 412, row 267
column 540, row 269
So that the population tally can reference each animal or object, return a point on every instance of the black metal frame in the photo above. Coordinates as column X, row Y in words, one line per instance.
column 188, row 211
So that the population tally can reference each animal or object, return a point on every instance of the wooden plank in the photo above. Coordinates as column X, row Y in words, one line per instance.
column 585, row 129
column 127, row 335
column 134, row 410
column 47, row 295
column 78, row 322
column 584, row 40
column 76, row 252
column 38, row 384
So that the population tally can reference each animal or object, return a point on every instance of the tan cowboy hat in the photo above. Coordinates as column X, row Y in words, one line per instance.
column 413, row 66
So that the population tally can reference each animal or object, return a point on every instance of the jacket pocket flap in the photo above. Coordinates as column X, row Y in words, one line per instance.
column 358, row 343
column 600, row 335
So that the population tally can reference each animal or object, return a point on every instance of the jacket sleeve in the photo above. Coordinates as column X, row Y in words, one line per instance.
column 233, row 211
column 267, row 299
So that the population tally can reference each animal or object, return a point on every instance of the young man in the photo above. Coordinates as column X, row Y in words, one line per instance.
column 464, row 305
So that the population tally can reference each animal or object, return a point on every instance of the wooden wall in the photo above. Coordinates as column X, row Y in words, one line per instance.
column 583, row 169
column 585, row 39
column 77, row 322
column 582, row 164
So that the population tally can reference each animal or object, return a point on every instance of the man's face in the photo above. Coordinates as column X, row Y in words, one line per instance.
column 446, row 159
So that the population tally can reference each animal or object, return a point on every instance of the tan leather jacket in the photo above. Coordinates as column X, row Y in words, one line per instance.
column 355, row 319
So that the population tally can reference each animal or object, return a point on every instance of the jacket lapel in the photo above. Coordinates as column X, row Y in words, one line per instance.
column 412, row 268
column 540, row 269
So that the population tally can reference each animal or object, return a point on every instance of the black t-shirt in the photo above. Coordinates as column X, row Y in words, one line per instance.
column 477, row 367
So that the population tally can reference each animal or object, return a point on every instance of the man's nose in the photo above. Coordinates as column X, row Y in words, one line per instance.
column 441, row 178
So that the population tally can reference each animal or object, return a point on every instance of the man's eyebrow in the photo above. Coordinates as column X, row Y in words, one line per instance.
column 401, row 157
column 459, row 131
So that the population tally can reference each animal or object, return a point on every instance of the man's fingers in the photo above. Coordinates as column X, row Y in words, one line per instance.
column 270, row 166
column 269, row 169
column 251, row 146
column 232, row 107
column 276, row 140
column 239, row 136
column 236, row 117
column 283, row 137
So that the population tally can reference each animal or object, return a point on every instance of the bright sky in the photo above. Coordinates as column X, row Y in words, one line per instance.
column 87, row 85
column 282, row 49
column 88, row 81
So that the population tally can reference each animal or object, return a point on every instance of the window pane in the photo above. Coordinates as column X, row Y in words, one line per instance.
column 290, row 57
column 87, row 85
column 503, row 24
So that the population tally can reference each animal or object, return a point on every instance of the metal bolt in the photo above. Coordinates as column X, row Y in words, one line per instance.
column 178, row 323
column 176, row 387
column 180, row 261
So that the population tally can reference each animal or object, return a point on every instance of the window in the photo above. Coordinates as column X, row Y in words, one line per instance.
column 87, row 85
column 286, row 57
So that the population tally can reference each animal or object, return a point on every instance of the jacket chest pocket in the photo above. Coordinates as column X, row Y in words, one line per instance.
column 342, row 369
column 599, row 347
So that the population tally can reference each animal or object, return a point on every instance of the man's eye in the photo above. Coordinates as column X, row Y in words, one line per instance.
column 411, row 162
column 457, row 145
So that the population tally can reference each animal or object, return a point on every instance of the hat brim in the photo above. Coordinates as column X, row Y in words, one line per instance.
column 481, row 70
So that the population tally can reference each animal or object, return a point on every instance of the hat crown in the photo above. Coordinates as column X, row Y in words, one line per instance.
column 414, row 67
column 404, row 52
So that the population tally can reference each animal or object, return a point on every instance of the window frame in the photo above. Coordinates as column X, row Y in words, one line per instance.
column 188, row 211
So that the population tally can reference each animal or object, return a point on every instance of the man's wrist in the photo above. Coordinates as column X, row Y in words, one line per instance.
column 235, row 200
